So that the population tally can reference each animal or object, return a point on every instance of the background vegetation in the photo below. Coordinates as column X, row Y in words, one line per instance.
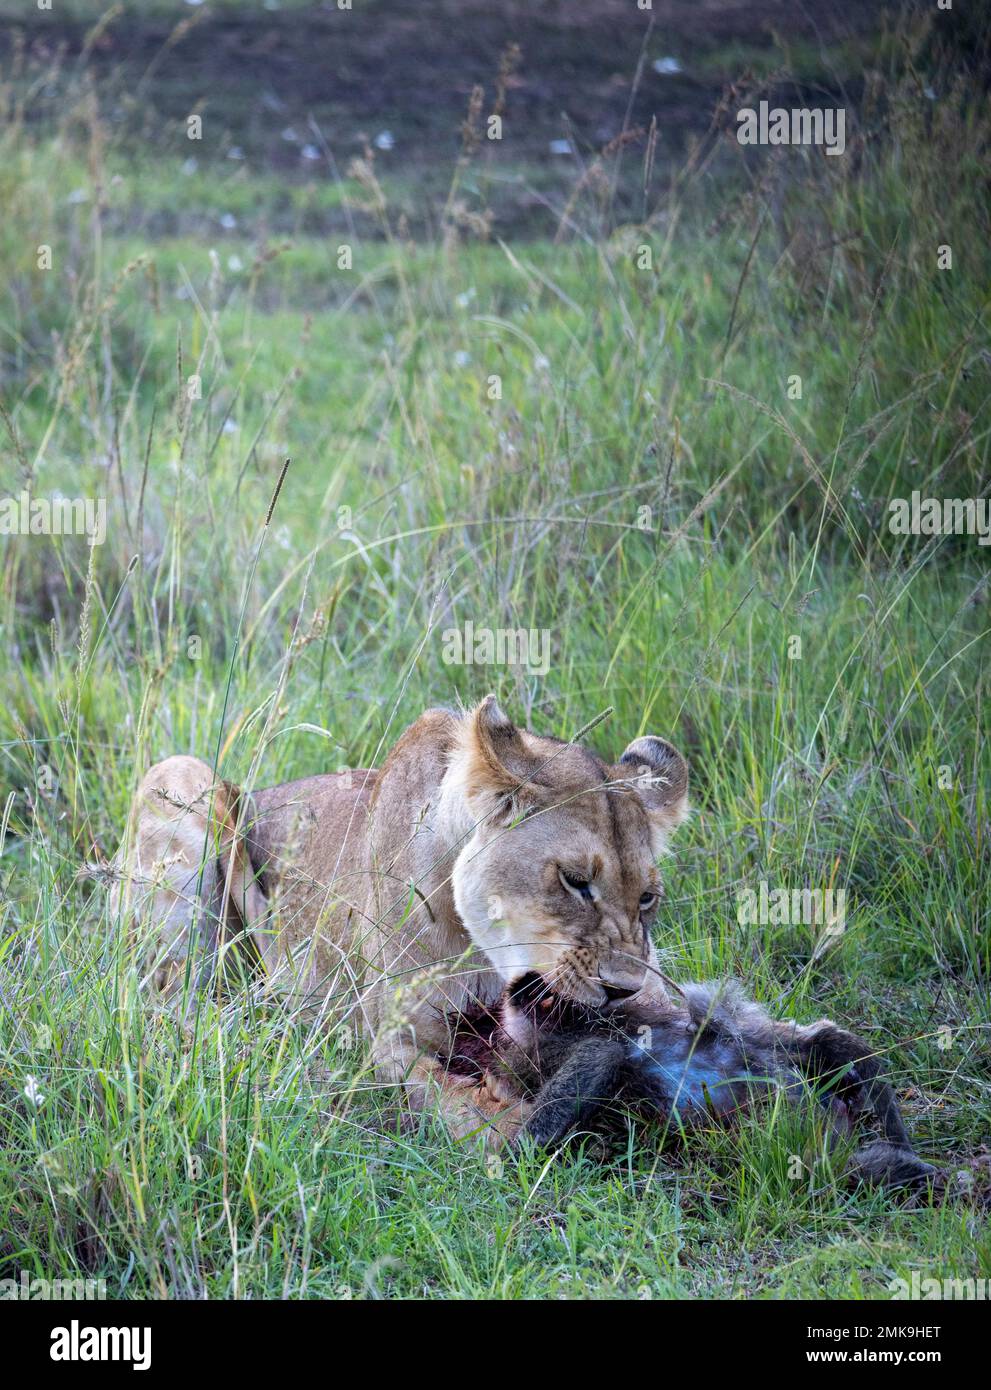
column 644, row 488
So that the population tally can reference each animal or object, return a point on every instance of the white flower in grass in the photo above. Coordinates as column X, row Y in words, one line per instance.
column 189, row 166
column 310, row 152
column 32, row 1092
column 228, row 221
column 462, row 359
column 384, row 140
column 667, row 67
column 561, row 147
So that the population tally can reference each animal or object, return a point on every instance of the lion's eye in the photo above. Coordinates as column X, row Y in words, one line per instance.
column 647, row 901
column 576, row 883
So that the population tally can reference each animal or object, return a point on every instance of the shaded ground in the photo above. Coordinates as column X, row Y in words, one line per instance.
column 300, row 89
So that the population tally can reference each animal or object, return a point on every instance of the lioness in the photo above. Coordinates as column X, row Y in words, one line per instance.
column 478, row 854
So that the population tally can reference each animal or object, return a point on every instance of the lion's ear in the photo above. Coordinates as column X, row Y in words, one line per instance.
column 660, row 775
column 495, row 764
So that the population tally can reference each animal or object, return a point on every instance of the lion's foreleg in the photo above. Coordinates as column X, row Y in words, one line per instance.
column 466, row 1109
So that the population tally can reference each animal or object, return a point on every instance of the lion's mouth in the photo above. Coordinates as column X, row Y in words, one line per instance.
column 532, row 993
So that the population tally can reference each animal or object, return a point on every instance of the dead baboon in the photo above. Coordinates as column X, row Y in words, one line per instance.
column 705, row 1061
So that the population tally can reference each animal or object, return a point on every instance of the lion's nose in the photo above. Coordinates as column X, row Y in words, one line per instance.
column 615, row 992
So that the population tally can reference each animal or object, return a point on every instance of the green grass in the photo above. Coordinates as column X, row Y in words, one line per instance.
column 254, row 1158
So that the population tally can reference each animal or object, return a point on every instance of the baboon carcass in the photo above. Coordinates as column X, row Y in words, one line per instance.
column 707, row 1060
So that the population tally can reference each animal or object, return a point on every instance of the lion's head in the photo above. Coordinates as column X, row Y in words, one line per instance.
column 557, row 875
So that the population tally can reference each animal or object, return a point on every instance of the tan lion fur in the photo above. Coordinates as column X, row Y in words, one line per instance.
column 404, row 893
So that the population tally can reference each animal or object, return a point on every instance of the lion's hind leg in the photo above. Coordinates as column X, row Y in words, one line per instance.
column 184, row 883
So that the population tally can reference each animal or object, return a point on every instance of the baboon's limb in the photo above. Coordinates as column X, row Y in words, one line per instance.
column 574, row 1095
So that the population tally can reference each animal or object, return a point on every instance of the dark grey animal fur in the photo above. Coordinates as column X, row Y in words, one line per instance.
column 705, row 1061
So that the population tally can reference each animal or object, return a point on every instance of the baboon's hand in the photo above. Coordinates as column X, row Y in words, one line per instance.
column 893, row 1166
